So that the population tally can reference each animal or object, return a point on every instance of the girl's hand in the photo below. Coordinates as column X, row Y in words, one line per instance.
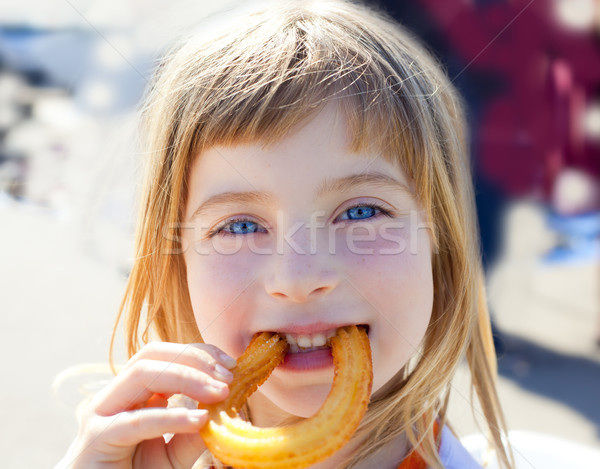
column 123, row 426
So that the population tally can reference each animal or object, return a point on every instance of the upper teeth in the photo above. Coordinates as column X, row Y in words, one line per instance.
column 299, row 342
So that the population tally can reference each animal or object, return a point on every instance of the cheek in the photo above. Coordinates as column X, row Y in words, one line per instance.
column 389, row 262
column 397, row 284
column 216, row 284
column 399, row 287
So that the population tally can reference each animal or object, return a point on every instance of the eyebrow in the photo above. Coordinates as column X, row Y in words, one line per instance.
column 347, row 183
column 329, row 185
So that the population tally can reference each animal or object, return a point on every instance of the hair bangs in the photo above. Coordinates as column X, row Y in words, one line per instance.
column 283, row 72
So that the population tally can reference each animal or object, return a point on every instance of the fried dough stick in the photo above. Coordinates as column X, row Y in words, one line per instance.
column 240, row 444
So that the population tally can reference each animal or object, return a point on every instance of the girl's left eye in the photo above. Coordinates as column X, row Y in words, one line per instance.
column 363, row 212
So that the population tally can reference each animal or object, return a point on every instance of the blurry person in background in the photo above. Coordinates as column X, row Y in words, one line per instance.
column 575, row 195
column 530, row 73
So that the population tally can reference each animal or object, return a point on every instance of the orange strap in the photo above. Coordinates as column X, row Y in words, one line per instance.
column 414, row 460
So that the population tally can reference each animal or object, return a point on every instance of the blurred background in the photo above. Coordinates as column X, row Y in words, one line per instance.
column 72, row 73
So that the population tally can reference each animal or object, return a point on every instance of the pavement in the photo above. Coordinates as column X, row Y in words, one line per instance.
column 61, row 289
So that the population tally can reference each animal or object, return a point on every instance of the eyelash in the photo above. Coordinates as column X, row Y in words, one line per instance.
column 219, row 230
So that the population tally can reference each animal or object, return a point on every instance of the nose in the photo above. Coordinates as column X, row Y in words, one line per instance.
column 299, row 273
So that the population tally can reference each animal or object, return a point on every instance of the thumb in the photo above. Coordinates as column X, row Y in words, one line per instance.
column 185, row 448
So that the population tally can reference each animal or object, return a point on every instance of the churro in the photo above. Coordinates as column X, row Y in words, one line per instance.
column 240, row 444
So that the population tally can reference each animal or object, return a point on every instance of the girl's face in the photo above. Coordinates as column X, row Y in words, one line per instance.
column 303, row 237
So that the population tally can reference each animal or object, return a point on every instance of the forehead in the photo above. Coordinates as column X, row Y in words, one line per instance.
column 306, row 161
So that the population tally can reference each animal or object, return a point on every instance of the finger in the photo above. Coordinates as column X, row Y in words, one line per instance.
column 205, row 351
column 130, row 428
column 134, row 386
column 226, row 360
column 204, row 357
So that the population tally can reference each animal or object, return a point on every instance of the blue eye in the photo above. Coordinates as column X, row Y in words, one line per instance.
column 240, row 227
column 363, row 212
column 360, row 212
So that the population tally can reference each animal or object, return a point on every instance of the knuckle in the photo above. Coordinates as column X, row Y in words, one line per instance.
column 135, row 421
column 89, row 428
column 150, row 348
column 183, row 377
column 205, row 353
column 190, row 381
column 138, row 371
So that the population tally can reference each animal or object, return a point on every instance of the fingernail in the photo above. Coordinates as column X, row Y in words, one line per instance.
column 223, row 372
column 228, row 361
column 196, row 415
column 217, row 386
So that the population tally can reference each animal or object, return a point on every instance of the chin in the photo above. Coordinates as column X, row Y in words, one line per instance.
column 301, row 401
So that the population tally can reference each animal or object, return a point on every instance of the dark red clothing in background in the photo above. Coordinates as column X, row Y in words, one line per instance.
column 544, row 75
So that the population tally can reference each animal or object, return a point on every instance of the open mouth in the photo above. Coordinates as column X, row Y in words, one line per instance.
column 303, row 343
column 310, row 351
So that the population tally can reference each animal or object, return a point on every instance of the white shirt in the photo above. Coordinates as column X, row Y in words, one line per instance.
column 453, row 454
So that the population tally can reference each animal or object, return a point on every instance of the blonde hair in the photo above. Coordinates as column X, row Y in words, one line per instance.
column 257, row 79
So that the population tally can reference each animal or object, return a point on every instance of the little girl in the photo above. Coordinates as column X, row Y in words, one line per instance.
column 307, row 170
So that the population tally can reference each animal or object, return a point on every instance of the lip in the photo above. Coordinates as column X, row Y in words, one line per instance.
column 313, row 328
column 308, row 329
